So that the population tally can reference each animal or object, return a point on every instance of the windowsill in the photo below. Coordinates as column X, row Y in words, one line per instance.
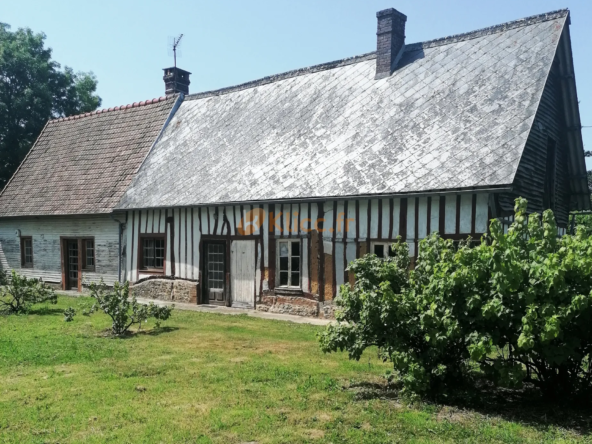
column 289, row 291
column 89, row 270
column 151, row 271
column 27, row 266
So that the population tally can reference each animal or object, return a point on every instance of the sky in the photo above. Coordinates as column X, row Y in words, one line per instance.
column 125, row 42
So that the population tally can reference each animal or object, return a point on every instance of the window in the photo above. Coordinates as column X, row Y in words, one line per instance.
column 549, row 191
column 289, row 263
column 88, row 254
column 152, row 253
column 27, row 251
column 382, row 249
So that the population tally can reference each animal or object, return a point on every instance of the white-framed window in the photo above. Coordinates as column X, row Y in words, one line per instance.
column 382, row 249
column 289, row 263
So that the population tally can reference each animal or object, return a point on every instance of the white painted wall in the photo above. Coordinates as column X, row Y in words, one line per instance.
column 46, row 232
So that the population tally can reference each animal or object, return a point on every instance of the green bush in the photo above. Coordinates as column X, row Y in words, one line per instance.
column 517, row 307
column 69, row 314
column 19, row 293
column 123, row 311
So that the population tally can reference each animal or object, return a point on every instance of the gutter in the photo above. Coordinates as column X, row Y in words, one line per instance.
column 455, row 191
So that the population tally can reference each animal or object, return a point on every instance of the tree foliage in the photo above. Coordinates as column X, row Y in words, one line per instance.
column 516, row 307
column 18, row 293
column 34, row 89
column 123, row 311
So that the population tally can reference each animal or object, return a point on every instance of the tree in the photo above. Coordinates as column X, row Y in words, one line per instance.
column 33, row 89
column 517, row 307
column 125, row 312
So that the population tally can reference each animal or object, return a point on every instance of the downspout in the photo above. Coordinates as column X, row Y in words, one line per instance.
column 119, row 258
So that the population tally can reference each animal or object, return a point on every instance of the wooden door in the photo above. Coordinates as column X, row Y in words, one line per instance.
column 72, row 254
column 242, row 273
column 215, row 272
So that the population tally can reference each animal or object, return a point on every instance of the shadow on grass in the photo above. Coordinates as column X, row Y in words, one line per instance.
column 46, row 310
column 525, row 406
column 133, row 334
column 160, row 331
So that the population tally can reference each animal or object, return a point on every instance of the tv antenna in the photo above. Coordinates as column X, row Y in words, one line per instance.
column 174, row 44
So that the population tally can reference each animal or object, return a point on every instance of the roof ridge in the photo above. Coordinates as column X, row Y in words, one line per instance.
column 372, row 55
column 526, row 21
column 284, row 75
column 114, row 108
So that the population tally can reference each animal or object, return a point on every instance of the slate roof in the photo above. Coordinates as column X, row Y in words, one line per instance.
column 455, row 114
column 83, row 164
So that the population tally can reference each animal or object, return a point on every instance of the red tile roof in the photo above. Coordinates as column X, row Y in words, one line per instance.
column 83, row 164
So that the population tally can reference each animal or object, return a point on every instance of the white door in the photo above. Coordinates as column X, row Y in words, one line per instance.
column 242, row 273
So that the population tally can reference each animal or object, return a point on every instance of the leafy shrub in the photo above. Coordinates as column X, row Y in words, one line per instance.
column 69, row 314
column 123, row 311
column 19, row 293
column 517, row 307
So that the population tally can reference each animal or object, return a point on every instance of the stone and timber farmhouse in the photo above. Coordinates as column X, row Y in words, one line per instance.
column 259, row 195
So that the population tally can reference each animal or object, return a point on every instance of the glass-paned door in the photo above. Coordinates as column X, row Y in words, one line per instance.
column 215, row 271
column 73, row 263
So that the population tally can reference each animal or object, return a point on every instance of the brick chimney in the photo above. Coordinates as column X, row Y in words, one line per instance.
column 176, row 80
column 390, row 41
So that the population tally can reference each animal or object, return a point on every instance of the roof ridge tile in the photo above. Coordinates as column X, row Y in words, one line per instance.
column 114, row 108
column 526, row 21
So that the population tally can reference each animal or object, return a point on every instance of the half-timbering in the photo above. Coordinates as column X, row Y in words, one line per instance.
column 259, row 195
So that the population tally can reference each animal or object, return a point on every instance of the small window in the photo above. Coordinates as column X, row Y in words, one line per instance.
column 289, row 263
column 152, row 253
column 382, row 249
column 88, row 254
column 27, row 252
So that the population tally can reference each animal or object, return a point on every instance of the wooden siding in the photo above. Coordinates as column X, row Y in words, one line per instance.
column 46, row 234
column 530, row 176
column 348, row 227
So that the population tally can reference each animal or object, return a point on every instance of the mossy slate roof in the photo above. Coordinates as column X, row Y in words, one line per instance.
column 83, row 164
column 455, row 114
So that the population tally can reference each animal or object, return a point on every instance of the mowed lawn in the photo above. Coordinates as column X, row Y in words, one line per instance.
column 209, row 378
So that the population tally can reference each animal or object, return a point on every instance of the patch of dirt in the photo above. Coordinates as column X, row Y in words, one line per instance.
column 314, row 433
column 366, row 426
column 454, row 415
column 325, row 417
column 239, row 359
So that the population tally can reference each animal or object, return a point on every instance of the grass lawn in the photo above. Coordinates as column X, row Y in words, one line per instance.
column 210, row 378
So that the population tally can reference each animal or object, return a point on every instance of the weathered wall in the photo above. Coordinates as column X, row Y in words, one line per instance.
column 46, row 232
column 348, row 228
column 166, row 290
column 530, row 176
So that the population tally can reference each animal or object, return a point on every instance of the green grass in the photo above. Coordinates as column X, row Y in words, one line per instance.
column 210, row 378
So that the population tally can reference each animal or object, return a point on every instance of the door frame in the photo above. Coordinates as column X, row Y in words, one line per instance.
column 205, row 297
column 64, row 259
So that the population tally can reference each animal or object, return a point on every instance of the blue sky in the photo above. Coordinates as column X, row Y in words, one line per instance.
column 229, row 42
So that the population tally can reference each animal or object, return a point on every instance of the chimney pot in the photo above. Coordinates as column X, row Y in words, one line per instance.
column 176, row 80
column 390, row 41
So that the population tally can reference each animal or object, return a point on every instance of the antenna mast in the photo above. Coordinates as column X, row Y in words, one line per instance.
column 175, row 44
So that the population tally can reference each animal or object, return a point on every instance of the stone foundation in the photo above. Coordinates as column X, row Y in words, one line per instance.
column 292, row 305
column 327, row 311
column 166, row 290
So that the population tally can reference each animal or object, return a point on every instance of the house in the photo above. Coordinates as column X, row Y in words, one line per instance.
column 56, row 213
column 259, row 195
